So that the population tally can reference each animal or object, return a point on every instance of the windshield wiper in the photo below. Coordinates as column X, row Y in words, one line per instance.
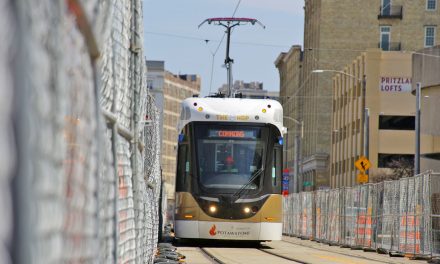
column 255, row 175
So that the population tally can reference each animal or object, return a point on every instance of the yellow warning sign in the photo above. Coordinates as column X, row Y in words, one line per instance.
column 362, row 164
column 362, row 178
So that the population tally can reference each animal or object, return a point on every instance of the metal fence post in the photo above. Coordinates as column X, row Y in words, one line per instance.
column 414, row 218
column 430, row 214
column 406, row 212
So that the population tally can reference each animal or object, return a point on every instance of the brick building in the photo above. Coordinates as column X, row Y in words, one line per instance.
column 335, row 33
column 169, row 91
column 289, row 65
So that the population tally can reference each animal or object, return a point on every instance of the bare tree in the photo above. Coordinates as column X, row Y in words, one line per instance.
column 401, row 168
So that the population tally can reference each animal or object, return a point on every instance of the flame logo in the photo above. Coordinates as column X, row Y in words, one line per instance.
column 212, row 231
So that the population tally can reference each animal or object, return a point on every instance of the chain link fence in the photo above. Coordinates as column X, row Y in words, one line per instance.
column 80, row 178
column 398, row 217
column 7, row 149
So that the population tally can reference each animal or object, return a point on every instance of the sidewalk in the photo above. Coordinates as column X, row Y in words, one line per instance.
column 350, row 252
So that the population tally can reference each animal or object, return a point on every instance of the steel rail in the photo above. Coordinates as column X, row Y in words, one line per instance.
column 211, row 256
column 340, row 253
column 283, row 257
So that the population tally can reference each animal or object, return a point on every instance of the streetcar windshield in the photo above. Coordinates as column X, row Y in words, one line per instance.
column 229, row 156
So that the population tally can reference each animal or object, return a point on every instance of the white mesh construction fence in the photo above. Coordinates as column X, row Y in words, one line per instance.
column 399, row 217
column 322, row 215
column 414, row 237
column 287, row 216
column 334, row 217
column 351, row 211
column 307, row 216
column 388, row 221
column 292, row 215
column 297, row 214
column 434, row 210
column 87, row 183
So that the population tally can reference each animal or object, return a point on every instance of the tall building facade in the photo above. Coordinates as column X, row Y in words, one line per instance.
column 241, row 85
column 425, row 71
column 390, row 125
column 169, row 90
column 289, row 65
column 335, row 33
column 249, row 90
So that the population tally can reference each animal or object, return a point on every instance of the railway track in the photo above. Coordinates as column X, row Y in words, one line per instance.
column 245, row 256
column 278, row 252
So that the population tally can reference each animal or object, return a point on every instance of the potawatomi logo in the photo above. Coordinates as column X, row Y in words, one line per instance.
column 212, row 231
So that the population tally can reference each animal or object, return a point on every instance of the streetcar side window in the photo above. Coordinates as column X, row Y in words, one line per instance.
column 183, row 168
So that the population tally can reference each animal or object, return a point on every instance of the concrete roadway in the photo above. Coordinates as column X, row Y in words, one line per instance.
column 302, row 251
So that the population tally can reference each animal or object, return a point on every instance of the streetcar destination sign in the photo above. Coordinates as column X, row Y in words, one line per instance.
column 232, row 133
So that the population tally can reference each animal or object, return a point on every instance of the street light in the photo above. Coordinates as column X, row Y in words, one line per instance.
column 365, row 118
column 297, row 152
column 301, row 123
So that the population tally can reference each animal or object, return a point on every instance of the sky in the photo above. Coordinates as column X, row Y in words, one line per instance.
column 171, row 34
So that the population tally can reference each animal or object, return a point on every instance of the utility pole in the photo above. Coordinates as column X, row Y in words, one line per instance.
column 365, row 132
column 229, row 23
column 417, row 156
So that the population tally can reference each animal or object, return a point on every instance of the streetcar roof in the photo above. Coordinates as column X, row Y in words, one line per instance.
column 245, row 110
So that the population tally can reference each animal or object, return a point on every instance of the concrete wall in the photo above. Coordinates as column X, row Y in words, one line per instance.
column 426, row 63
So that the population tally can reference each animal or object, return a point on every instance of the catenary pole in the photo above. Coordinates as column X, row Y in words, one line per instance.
column 229, row 23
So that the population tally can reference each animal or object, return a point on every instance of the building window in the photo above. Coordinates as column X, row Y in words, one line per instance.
column 386, row 7
column 358, row 125
column 394, row 160
column 429, row 36
column 385, row 32
column 397, row 122
column 150, row 84
column 431, row 4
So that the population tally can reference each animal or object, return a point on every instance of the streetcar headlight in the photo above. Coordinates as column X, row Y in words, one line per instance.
column 213, row 209
column 247, row 210
column 264, row 110
column 200, row 109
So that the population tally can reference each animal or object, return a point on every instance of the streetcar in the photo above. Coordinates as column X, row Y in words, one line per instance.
column 229, row 168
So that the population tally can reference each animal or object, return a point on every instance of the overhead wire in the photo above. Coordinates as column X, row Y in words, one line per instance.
column 236, row 7
column 232, row 30
column 172, row 35
column 213, row 60
column 220, row 41
column 299, row 88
